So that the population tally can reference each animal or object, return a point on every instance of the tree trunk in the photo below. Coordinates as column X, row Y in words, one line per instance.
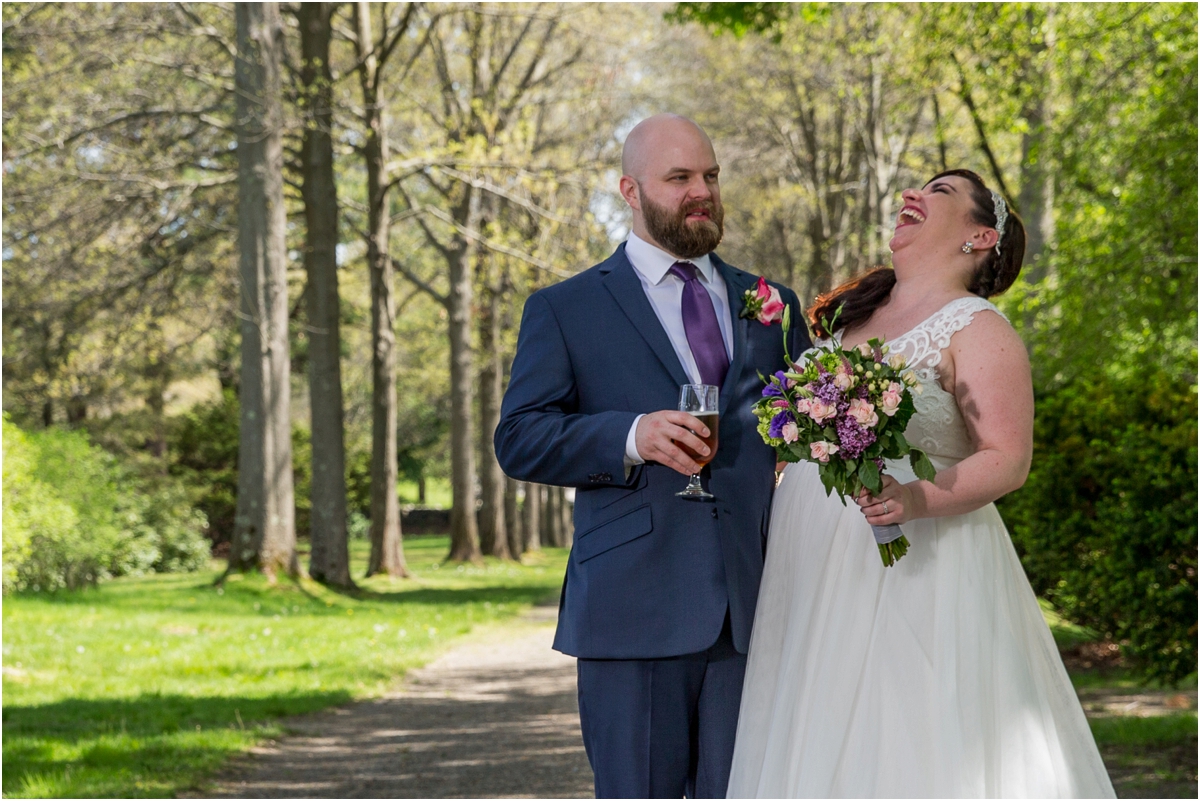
column 1036, row 199
column 464, row 531
column 566, row 519
column 330, row 554
column 493, row 533
column 387, row 554
column 531, row 517
column 516, row 539
column 552, row 527
column 264, row 531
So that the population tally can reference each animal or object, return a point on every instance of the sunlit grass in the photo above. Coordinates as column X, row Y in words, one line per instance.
column 141, row 687
column 438, row 493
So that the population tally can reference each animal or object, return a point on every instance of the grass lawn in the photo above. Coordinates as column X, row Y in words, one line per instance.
column 145, row 685
column 1147, row 734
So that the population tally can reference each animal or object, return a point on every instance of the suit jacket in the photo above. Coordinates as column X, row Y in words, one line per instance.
column 650, row 575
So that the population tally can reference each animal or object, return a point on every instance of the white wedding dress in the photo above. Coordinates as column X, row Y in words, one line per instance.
column 937, row 677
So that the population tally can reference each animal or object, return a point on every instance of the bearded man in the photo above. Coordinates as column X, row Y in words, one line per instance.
column 660, row 591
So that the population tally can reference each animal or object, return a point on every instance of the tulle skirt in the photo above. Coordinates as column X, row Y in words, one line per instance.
column 937, row 677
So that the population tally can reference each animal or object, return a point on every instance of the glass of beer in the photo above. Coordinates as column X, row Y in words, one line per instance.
column 700, row 401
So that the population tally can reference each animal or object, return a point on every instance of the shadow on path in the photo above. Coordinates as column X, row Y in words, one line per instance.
column 494, row 717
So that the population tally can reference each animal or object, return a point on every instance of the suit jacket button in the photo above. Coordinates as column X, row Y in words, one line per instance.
column 714, row 514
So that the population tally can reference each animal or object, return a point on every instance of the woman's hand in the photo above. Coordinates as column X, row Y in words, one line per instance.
column 893, row 504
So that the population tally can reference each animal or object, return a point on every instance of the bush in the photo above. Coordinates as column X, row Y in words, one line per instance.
column 73, row 516
column 204, row 444
column 1106, row 523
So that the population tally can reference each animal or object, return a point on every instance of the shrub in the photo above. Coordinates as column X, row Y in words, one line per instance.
column 204, row 444
column 1106, row 523
column 73, row 516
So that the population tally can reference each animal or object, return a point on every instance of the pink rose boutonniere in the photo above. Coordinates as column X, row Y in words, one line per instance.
column 762, row 303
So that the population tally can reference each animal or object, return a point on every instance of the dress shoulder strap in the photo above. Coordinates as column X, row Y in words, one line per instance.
column 932, row 336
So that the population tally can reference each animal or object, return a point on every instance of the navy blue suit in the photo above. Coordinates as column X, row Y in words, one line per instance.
column 652, row 579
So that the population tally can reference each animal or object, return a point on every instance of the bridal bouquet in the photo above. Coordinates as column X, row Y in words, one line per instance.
column 846, row 411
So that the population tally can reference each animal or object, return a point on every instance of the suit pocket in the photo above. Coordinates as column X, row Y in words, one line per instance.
column 608, row 535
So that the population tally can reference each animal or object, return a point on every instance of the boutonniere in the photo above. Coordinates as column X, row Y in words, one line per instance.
column 762, row 303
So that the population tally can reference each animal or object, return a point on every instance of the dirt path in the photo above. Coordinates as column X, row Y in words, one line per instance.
column 495, row 717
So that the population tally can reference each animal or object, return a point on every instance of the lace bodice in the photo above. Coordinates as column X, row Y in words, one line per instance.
column 938, row 427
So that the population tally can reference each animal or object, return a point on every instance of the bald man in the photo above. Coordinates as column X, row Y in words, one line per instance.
column 660, row 590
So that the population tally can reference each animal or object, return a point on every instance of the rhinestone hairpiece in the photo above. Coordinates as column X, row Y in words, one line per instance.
column 1001, row 209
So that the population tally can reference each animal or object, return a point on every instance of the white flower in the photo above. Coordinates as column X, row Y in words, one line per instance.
column 897, row 362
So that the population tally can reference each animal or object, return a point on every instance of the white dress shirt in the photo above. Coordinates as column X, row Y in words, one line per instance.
column 664, row 290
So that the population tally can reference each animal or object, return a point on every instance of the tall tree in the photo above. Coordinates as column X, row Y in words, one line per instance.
column 494, row 520
column 330, row 554
column 496, row 71
column 264, row 532
column 387, row 551
column 531, row 517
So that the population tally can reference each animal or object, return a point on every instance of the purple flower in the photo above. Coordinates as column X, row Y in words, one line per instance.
column 828, row 392
column 854, row 438
column 778, row 422
column 773, row 389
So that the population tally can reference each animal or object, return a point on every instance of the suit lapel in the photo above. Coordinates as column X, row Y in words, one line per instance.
column 626, row 288
column 736, row 284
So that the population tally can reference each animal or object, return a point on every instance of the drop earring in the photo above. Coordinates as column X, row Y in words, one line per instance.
column 968, row 247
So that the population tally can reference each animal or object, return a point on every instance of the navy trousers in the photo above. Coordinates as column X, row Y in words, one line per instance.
column 662, row 728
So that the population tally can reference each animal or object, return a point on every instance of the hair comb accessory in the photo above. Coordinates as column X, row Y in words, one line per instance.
column 1001, row 209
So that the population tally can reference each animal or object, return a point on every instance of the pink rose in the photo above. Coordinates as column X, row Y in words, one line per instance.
column 821, row 451
column 803, row 405
column 863, row 413
column 843, row 379
column 890, row 401
column 821, row 411
column 772, row 308
column 790, row 432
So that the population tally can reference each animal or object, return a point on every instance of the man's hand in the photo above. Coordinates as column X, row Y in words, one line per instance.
column 659, row 435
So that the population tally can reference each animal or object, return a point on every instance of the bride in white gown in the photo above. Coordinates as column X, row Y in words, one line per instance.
column 937, row 677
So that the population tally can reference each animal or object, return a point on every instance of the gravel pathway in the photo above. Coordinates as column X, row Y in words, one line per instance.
column 494, row 717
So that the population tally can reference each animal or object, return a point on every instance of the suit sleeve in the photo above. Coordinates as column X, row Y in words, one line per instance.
column 542, row 437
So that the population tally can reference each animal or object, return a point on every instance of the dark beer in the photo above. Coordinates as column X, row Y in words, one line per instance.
column 710, row 419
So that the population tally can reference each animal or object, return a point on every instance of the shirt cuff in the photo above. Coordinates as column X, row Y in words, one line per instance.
column 632, row 456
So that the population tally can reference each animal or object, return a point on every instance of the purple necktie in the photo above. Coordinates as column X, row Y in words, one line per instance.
column 701, row 326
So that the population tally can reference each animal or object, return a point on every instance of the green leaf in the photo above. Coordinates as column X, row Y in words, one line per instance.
column 921, row 465
column 868, row 474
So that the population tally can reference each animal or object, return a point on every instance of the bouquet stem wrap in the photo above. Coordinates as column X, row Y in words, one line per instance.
column 891, row 541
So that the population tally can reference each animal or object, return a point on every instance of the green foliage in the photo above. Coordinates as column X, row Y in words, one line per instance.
column 1106, row 523
column 73, row 516
column 145, row 686
column 741, row 18
column 204, row 448
column 1155, row 731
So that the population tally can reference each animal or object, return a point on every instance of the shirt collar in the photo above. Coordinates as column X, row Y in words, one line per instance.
column 654, row 263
